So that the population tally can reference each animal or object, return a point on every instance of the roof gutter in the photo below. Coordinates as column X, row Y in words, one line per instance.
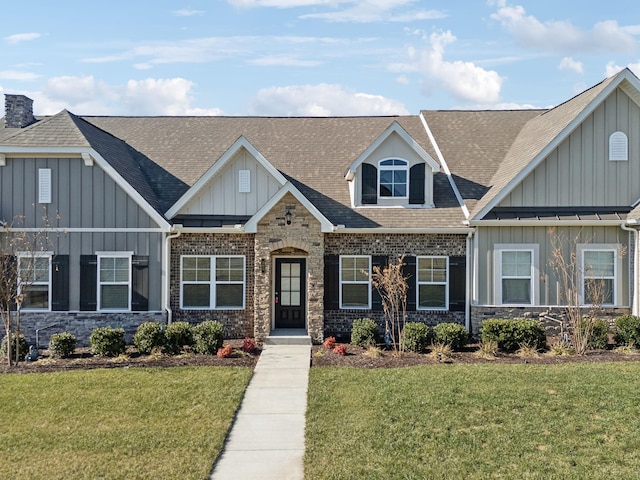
column 453, row 230
column 211, row 230
column 544, row 223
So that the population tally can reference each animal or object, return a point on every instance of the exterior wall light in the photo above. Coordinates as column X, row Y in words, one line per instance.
column 287, row 216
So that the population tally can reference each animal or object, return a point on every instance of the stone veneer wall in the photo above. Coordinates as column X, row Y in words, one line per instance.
column 338, row 322
column 237, row 323
column 81, row 324
column 478, row 314
column 301, row 238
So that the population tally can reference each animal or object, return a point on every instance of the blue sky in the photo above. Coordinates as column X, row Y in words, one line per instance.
column 310, row 57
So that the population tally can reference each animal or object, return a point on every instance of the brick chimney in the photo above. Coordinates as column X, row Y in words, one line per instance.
column 18, row 111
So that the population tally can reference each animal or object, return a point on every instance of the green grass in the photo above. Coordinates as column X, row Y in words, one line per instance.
column 117, row 423
column 570, row 421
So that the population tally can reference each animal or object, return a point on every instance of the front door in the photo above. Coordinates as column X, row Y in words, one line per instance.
column 289, row 295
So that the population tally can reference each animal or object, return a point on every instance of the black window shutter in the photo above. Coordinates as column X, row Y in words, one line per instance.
column 331, row 282
column 409, row 273
column 9, row 266
column 88, row 282
column 369, row 184
column 416, row 184
column 457, row 283
column 376, row 300
column 139, row 283
column 60, row 283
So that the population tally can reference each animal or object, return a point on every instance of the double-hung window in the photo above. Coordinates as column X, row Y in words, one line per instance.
column 212, row 282
column 393, row 180
column 599, row 276
column 516, row 267
column 34, row 280
column 433, row 283
column 355, row 284
column 114, row 281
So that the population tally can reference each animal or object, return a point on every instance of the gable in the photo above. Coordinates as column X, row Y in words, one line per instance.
column 241, row 187
column 579, row 172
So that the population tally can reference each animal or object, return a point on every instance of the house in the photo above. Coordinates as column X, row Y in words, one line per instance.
column 268, row 223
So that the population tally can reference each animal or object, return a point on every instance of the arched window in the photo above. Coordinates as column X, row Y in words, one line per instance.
column 393, row 176
column 618, row 147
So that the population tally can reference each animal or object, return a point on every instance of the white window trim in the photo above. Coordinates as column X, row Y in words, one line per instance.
column 581, row 248
column 420, row 282
column 100, row 256
column 405, row 167
column 49, row 255
column 357, row 282
column 618, row 147
column 534, row 248
column 213, row 283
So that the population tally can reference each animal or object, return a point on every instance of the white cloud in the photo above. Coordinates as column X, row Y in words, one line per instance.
column 22, row 37
column 611, row 68
column 185, row 12
column 568, row 63
column 321, row 100
column 465, row 81
column 17, row 75
column 562, row 36
column 367, row 11
column 283, row 61
column 283, row 3
column 162, row 97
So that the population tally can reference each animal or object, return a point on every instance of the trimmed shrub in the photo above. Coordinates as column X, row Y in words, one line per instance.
column 510, row 334
column 107, row 341
column 415, row 337
column 340, row 350
column 62, row 345
column 452, row 334
column 627, row 330
column 16, row 340
column 208, row 337
column 364, row 332
column 148, row 336
column 249, row 345
column 599, row 337
column 177, row 335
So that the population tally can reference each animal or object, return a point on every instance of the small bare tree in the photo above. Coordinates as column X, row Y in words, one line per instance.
column 584, row 297
column 392, row 286
column 19, row 251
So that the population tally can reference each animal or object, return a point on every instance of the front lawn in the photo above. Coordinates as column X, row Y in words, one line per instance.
column 568, row 421
column 117, row 423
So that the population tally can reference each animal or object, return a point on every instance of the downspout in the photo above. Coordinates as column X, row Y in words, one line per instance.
column 634, row 305
column 166, row 268
column 467, row 287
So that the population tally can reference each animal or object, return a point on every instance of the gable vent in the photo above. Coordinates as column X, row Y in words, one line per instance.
column 44, row 185
column 618, row 147
column 244, row 181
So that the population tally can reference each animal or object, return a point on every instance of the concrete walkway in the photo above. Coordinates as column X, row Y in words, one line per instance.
column 266, row 440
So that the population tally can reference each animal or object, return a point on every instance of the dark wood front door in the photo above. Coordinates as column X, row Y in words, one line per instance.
column 289, row 295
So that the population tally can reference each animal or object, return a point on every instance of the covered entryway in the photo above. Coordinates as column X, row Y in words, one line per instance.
column 290, row 293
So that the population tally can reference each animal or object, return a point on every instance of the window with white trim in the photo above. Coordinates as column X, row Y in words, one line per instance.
column 599, row 276
column 618, row 147
column 34, row 280
column 114, row 281
column 393, row 176
column 212, row 282
column 433, row 283
column 355, row 281
column 516, row 267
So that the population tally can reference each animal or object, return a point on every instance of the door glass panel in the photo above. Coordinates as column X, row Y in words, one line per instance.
column 286, row 270
column 285, row 299
column 295, row 269
column 295, row 299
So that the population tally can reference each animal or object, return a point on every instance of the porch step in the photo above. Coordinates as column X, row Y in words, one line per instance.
column 288, row 337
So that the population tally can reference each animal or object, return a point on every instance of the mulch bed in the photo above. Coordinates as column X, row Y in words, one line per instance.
column 360, row 358
column 83, row 359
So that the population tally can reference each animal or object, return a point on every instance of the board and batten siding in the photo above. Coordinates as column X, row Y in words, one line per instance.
column 547, row 283
column 222, row 197
column 578, row 172
column 81, row 197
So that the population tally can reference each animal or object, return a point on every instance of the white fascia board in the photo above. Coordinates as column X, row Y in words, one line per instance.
column 546, row 223
column 3, row 160
column 65, row 230
column 22, row 152
column 129, row 190
column 242, row 142
column 395, row 127
column 252, row 225
column 563, row 135
column 389, row 230
column 211, row 230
